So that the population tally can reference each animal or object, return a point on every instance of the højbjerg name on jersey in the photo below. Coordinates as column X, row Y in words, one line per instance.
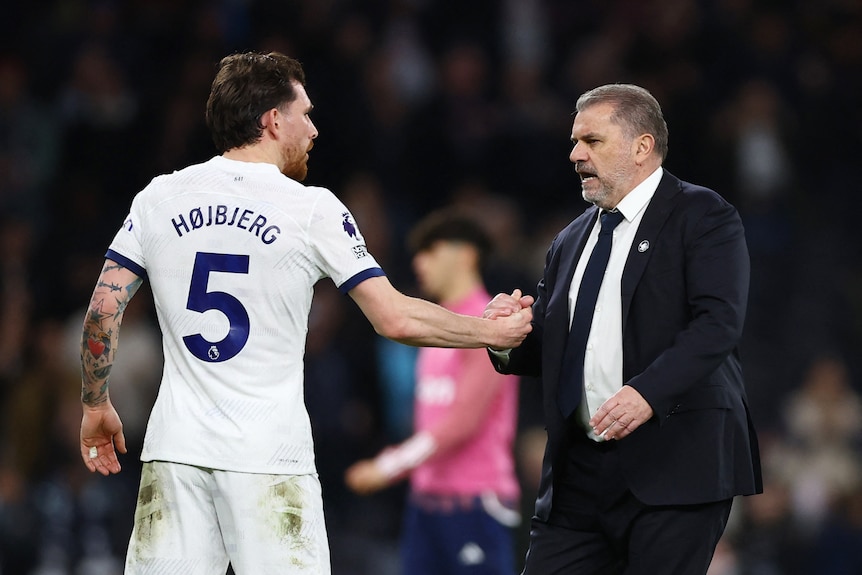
column 222, row 215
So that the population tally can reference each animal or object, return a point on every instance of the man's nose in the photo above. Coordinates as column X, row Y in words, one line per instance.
column 577, row 154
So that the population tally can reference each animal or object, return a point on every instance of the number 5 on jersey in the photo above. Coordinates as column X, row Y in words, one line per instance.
column 201, row 300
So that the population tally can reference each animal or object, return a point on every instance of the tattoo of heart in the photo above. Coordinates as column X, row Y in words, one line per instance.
column 99, row 345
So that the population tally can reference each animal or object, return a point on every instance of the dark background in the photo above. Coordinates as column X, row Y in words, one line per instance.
column 422, row 104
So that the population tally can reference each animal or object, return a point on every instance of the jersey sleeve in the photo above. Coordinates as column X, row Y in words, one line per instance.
column 339, row 245
column 127, row 247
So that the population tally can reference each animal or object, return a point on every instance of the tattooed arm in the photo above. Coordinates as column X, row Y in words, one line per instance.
column 101, row 427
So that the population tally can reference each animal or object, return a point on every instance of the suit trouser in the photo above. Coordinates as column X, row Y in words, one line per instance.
column 597, row 527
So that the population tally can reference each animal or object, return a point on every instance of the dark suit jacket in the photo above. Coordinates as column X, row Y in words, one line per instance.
column 684, row 295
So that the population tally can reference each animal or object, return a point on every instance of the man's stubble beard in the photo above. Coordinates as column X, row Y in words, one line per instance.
column 607, row 196
column 598, row 197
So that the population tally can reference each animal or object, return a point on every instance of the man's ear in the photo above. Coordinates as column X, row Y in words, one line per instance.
column 644, row 146
column 270, row 121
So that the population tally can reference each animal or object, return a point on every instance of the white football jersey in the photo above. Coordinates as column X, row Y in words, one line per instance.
column 232, row 251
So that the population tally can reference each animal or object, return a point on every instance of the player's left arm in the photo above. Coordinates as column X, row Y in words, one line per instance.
column 101, row 428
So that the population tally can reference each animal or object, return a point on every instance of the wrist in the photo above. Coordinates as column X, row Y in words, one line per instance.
column 103, row 403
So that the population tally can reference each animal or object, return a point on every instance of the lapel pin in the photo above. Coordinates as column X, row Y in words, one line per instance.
column 643, row 246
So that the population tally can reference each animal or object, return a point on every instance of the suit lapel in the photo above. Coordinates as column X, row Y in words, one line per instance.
column 571, row 248
column 557, row 310
column 659, row 208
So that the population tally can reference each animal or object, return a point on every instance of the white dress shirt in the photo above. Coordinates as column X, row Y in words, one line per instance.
column 603, row 360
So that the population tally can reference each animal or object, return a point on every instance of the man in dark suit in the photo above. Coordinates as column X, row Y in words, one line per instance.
column 649, row 433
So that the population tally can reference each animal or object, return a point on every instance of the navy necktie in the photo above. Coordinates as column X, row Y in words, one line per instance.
column 572, row 374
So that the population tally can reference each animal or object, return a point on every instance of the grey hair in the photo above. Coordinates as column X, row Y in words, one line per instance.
column 635, row 109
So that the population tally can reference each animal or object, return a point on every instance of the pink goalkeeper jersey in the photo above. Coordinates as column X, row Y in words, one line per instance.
column 471, row 411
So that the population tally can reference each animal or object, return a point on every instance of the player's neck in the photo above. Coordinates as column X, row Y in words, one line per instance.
column 254, row 153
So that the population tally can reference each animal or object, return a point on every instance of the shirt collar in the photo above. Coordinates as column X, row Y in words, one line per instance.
column 639, row 197
column 229, row 164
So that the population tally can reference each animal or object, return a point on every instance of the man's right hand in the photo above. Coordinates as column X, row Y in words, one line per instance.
column 505, row 304
column 514, row 314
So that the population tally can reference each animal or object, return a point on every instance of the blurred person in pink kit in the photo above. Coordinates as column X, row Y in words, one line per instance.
column 463, row 487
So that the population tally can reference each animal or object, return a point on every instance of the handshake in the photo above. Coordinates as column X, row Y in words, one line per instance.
column 516, row 309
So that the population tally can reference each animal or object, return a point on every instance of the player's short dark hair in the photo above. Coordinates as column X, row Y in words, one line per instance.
column 450, row 225
column 246, row 86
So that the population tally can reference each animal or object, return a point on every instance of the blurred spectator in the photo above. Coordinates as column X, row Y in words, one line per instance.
column 96, row 94
column 74, row 522
column 725, row 560
column 183, row 138
column 524, row 31
column 768, row 538
column 99, row 111
column 827, row 408
column 411, row 67
column 19, row 522
column 754, row 137
column 16, row 238
column 756, row 132
column 532, row 146
column 84, row 519
column 500, row 218
column 837, row 550
column 28, row 145
column 819, row 460
column 457, row 127
column 34, row 400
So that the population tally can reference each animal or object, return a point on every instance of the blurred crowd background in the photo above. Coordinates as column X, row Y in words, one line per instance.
column 423, row 104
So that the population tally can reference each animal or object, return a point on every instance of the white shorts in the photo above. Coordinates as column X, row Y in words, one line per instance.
column 193, row 521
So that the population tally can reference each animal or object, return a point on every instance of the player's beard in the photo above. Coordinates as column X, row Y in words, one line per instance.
column 296, row 164
column 296, row 171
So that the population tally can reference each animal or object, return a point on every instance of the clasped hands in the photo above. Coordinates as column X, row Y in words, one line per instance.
column 506, row 305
